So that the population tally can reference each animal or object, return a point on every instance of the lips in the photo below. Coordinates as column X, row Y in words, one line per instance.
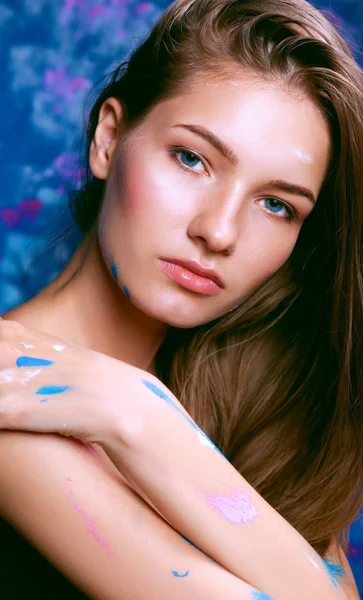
column 198, row 269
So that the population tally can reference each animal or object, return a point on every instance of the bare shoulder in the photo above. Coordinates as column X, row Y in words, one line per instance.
column 337, row 555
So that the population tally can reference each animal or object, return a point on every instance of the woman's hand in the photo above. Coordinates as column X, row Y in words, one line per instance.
column 47, row 385
column 50, row 386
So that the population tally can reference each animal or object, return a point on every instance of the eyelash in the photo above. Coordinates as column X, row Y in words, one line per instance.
column 175, row 151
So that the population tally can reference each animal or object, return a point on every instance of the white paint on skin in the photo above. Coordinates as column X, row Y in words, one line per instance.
column 313, row 561
column 304, row 156
column 7, row 375
column 26, row 345
column 204, row 440
column 28, row 374
column 58, row 347
column 11, row 375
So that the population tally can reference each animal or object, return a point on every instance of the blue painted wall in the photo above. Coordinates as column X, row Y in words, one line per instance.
column 51, row 52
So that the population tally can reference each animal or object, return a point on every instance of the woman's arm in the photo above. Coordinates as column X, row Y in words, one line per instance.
column 162, row 452
column 77, row 510
column 159, row 449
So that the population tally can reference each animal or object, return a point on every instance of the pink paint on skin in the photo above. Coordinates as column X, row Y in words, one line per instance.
column 91, row 526
column 236, row 509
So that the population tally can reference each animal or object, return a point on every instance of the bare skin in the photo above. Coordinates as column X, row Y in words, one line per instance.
column 217, row 213
column 212, row 210
column 108, row 404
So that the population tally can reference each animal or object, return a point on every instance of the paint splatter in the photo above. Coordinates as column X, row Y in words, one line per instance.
column 126, row 291
column 159, row 392
column 260, row 596
column 29, row 361
column 202, row 436
column 236, row 509
column 181, row 575
column 335, row 572
column 22, row 377
column 91, row 526
column 114, row 270
column 313, row 562
column 58, row 347
column 195, row 547
column 45, row 400
column 52, row 389
column 26, row 345
column 189, row 543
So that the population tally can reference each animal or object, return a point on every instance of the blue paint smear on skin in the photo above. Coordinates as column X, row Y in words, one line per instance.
column 114, row 270
column 52, row 389
column 260, row 596
column 159, row 392
column 189, row 542
column 335, row 572
column 29, row 361
column 196, row 547
column 45, row 400
column 181, row 575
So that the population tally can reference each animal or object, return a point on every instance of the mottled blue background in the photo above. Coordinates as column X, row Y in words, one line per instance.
column 51, row 53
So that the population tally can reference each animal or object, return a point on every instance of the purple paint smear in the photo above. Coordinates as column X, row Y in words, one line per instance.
column 91, row 526
column 236, row 509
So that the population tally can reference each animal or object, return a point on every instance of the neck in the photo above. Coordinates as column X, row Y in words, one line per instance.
column 84, row 306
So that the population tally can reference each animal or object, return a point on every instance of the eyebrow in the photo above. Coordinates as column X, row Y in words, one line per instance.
column 215, row 141
column 228, row 153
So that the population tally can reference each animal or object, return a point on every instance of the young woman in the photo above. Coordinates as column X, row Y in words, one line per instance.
column 222, row 259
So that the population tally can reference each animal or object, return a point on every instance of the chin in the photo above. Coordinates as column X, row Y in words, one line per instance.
column 185, row 317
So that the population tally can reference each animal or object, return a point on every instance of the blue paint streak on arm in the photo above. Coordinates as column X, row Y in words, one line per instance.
column 181, row 575
column 196, row 547
column 189, row 542
column 29, row 361
column 260, row 596
column 52, row 389
column 44, row 400
column 335, row 572
column 159, row 392
column 126, row 291
column 114, row 270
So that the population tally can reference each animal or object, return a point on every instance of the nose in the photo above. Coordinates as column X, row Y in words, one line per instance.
column 215, row 223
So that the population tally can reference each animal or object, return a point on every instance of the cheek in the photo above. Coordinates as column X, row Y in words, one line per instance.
column 265, row 255
column 144, row 189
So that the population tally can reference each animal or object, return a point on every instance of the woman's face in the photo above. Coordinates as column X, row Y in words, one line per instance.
column 205, row 199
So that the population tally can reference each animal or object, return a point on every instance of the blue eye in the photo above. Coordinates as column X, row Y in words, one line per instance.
column 278, row 208
column 188, row 159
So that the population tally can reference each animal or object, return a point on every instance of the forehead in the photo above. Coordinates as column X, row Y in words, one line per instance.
column 256, row 117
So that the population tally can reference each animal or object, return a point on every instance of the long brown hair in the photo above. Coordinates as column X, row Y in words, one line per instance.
column 276, row 383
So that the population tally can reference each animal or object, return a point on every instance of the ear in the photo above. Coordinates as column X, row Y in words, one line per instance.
column 106, row 137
